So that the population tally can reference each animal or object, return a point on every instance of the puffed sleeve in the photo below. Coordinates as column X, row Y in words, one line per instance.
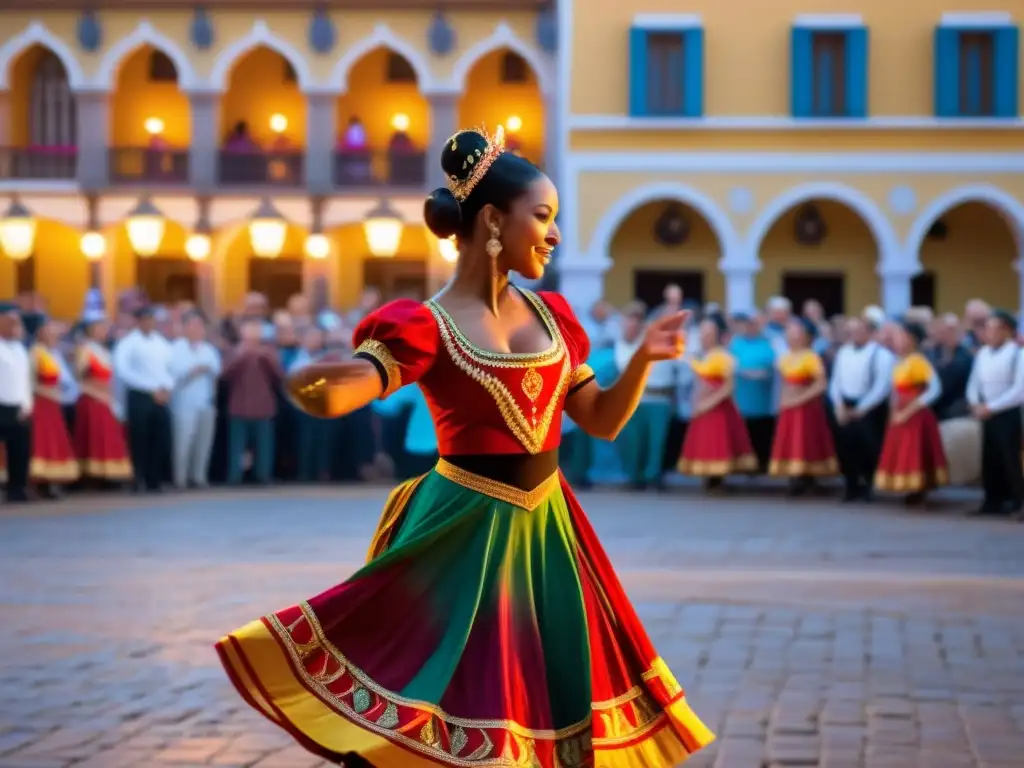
column 401, row 340
column 576, row 340
column 815, row 366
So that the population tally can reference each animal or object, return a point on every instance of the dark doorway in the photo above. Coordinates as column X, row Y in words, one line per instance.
column 649, row 285
column 277, row 279
column 167, row 280
column 397, row 278
column 827, row 288
column 25, row 275
column 922, row 290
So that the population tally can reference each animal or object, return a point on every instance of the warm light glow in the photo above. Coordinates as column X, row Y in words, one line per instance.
column 146, row 232
column 449, row 250
column 383, row 228
column 154, row 126
column 18, row 232
column 278, row 123
column 93, row 246
column 267, row 237
column 514, row 123
column 318, row 247
column 197, row 247
column 400, row 122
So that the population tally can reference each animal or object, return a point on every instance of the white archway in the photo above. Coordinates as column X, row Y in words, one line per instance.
column 258, row 37
column 503, row 38
column 381, row 37
column 1005, row 203
column 37, row 33
column 889, row 250
column 144, row 34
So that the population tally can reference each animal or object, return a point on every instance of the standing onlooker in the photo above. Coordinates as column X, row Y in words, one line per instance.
column 195, row 366
column 755, row 381
column 15, row 404
column 252, row 377
column 953, row 363
column 99, row 435
column 976, row 315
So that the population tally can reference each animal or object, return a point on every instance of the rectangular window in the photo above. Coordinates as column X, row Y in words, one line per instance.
column 977, row 71
column 977, row 74
column 828, row 52
column 829, row 73
column 666, row 72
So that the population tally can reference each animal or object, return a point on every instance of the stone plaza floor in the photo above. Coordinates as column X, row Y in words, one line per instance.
column 806, row 633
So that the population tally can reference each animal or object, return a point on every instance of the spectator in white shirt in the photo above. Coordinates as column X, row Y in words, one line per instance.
column 195, row 365
column 142, row 365
column 15, row 403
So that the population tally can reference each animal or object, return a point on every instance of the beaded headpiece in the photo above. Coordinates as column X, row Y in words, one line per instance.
column 480, row 160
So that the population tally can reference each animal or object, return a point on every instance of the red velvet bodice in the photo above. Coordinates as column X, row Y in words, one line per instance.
column 482, row 402
column 94, row 364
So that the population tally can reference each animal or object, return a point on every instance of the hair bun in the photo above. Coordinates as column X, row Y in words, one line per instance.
column 442, row 213
column 455, row 157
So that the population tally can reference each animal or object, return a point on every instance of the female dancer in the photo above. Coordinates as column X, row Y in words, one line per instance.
column 53, row 461
column 803, row 448
column 99, row 436
column 913, row 460
column 717, row 443
column 488, row 627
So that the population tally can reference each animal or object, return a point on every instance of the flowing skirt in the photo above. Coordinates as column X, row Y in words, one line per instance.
column 53, row 458
column 100, row 441
column 803, row 445
column 487, row 629
column 913, row 459
column 717, row 444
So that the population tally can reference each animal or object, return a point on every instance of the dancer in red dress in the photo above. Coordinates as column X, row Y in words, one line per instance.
column 717, row 443
column 913, row 460
column 99, row 435
column 803, row 449
column 53, row 462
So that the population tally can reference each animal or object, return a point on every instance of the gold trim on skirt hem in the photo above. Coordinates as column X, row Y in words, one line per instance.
column 49, row 471
column 801, row 468
column 496, row 490
column 107, row 469
column 740, row 465
column 911, row 482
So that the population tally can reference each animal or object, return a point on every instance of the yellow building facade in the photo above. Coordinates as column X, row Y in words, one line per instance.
column 334, row 118
column 792, row 148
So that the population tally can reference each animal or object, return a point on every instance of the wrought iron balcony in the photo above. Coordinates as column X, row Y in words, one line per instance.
column 148, row 166
column 261, row 169
column 358, row 169
column 38, row 163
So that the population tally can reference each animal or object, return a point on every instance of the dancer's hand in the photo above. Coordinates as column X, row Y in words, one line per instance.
column 664, row 338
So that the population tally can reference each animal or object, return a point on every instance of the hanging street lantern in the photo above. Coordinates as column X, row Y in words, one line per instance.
column 146, row 225
column 267, row 231
column 383, row 228
column 18, row 231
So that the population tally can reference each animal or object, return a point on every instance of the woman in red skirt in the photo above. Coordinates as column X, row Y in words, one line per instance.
column 99, row 435
column 54, row 462
column 913, row 460
column 717, row 443
column 803, row 449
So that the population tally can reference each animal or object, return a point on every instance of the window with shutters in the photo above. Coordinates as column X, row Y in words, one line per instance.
column 828, row 74
column 666, row 68
column 399, row 70
column 666, row 91
column 514, row 69
column 52, row 121
column 161, row 68
column 977, row 74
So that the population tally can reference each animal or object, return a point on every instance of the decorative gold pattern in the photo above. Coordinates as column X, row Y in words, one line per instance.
column 580, row 375
column 494, row 489
column 801, row 468
column 479, row 161
column 700, row 468
column 911, row 482
column 379, row 352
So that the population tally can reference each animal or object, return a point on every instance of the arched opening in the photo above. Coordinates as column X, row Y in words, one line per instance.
column 406, row 274
column 150, row 124
column 820, row 249
column 661, row 243
column 503, row 89
column 263, row 123
column 167, row 276
column 279, row 278
column 968, row 253
column 383, row 124
column 56, row 271
column 43, row 122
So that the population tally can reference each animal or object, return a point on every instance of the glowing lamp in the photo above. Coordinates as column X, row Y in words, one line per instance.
column 154, row 126
column 449, row 250
column 317, row 247
column 18, row 232
column 383, row 228
column 400, row 122
column 146, row 228
column 267, row 231
column 197, row 247
column 278, row 123
column 93, row 246
column 514, row 123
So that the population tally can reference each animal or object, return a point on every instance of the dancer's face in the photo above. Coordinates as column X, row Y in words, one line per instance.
column 528, row 231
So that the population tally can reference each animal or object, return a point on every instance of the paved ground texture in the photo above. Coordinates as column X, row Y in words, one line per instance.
column 807, row 634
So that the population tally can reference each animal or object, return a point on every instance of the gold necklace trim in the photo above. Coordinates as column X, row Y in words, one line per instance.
column 497, row 490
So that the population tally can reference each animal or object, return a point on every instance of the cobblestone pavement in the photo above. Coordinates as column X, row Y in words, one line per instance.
column 806, row 634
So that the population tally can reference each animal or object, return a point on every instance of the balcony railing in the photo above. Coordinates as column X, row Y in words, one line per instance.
column 144, row 165
column 261, row 169
column 38, row 162
column 355, row 169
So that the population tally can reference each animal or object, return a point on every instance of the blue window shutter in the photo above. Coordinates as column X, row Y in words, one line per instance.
column 801, row 77
column 857, row 72
column 693, row 72
column 1007, row 71
column 947, row 72
column 638, row 72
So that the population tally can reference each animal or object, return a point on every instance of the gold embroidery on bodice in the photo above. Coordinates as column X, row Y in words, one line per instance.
column 531, row 431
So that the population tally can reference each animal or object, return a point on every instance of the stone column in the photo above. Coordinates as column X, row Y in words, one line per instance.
column 896, row 292
column 740, row 284
column 206, row 130
column 552, row 162
column 93, row 112
column 581, row 280
column 5, row 133
column 444, row 121
column 321, row 131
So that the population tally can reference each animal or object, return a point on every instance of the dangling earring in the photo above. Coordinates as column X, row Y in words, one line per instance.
column 494, row 244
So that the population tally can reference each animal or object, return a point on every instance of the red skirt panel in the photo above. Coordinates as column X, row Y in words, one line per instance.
column 913, row 458
column 718, row 444
column 53, row 458
column 803, row 445
column 100, row 442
